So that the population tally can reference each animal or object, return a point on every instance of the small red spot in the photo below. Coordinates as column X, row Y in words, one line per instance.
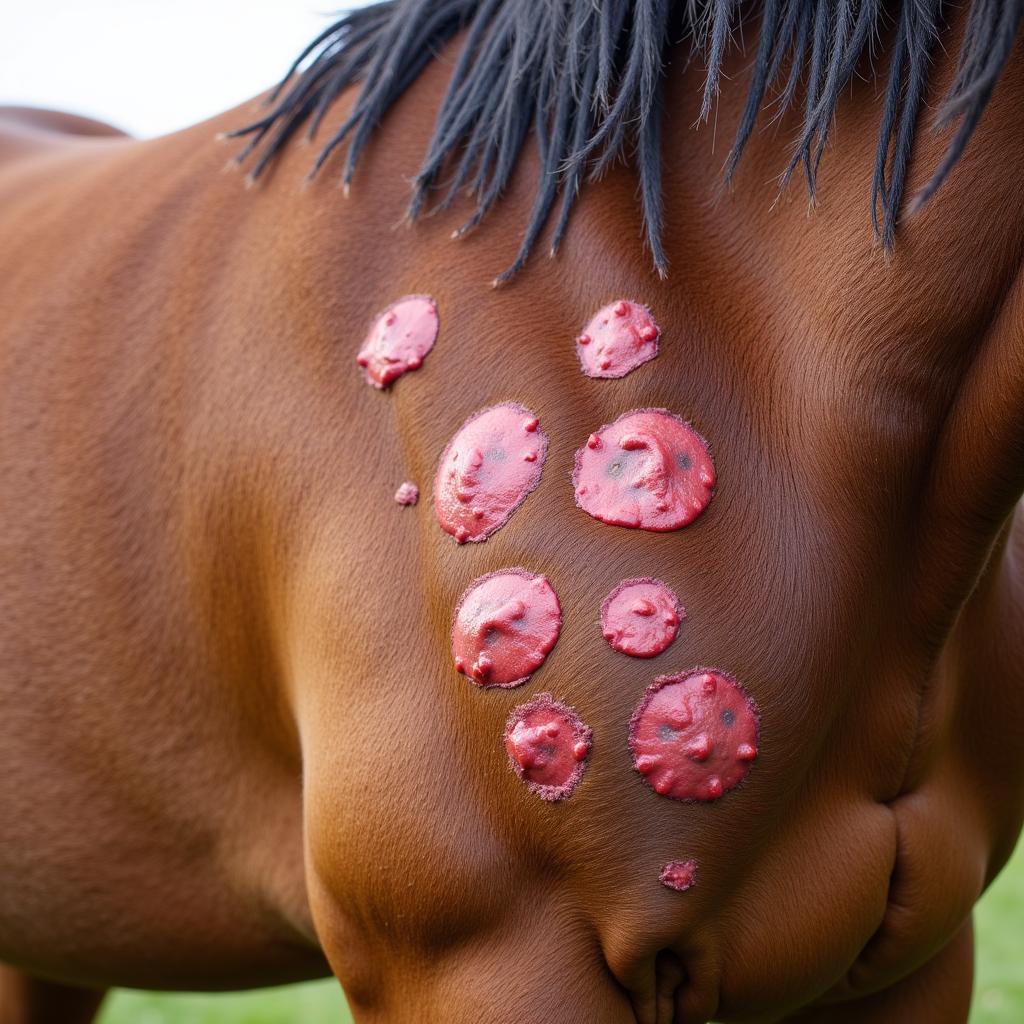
column 700, row 749
column 619, row 338
column 648, row 470
column 547, row 745
column 505, row 625
column 679, row 875
column 694, row 735
column 484, row 474
column 398, row 339
column 641, row 617
column 407, row 493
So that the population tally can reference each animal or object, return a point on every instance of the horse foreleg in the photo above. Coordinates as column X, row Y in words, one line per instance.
column 25, row 999
column 938, row 992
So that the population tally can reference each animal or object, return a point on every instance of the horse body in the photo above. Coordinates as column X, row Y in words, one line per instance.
column 232, row 737
column 135, row 817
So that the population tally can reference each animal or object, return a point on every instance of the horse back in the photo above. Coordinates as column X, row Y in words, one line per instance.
column 27, row 129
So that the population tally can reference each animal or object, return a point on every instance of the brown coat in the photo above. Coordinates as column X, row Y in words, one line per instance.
column 233, row 750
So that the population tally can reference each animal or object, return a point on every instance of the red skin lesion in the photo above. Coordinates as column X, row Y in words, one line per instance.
column 617, row 339
column 548, row 745
column 407, row 494
column 506, row 624
column 649, row 470
column 399, row 340
column 488, row 470
column 694, row 735
column 679, row 875
column 641, row 617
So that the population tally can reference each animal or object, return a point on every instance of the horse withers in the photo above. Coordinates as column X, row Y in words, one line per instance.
column 236, row 749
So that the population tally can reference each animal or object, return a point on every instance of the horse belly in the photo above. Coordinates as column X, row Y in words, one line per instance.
column 101, row 887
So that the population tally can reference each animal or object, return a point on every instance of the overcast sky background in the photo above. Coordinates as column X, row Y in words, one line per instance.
column 151, row 66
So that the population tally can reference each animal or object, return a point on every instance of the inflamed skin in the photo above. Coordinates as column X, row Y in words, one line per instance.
column 648, row 470
column 617, row 339
column 694, row 735
column 547, row 745
column 505, row 625
column 399, row 340
column 489, row 467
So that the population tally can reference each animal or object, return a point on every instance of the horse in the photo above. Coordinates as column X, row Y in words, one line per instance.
column 235, row 749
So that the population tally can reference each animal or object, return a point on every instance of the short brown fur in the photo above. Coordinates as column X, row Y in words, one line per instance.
column 232, row 748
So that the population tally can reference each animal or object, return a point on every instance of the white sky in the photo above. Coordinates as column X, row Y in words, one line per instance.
column 151, row 66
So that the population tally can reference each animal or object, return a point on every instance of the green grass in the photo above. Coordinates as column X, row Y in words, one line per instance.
column 316, row 1002
column 998, row 993
column 999, row 932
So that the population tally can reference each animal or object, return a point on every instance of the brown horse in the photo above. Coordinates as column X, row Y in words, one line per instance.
column 233, row 749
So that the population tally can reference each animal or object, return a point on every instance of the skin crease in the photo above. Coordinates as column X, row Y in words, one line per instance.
column 232, row 749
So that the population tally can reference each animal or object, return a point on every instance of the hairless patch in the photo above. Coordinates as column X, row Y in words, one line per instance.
column 648, row 470
column 618, row 338
column 505, row 625
column 641, row 617
column 407, row 493
column 679, row 875
column 694, row 735
column 399, row 339
column 547, row 746
column 489, row 467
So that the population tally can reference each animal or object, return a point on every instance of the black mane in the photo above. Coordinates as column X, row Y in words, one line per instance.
column 586, row 76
